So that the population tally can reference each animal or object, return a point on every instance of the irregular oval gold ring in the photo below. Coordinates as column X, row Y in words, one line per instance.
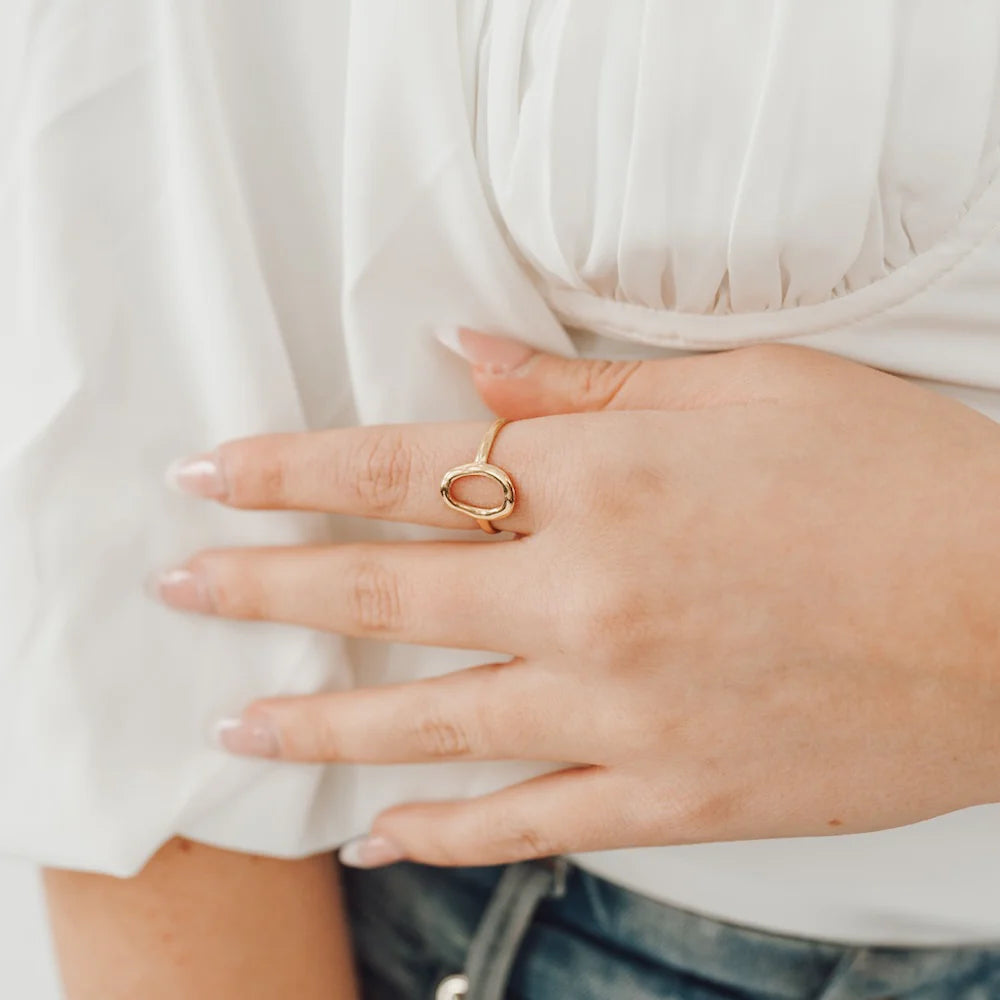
column 483, row 516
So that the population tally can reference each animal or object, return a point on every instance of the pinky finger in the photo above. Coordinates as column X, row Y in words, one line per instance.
column 566, row 811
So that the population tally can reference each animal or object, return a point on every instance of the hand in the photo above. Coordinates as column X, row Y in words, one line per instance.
column 753, row 594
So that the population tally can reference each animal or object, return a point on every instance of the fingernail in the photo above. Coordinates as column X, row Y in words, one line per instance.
column 498, row 356
column 369, row 851
column 200, row 476
column 247, row 737
column 182, row 589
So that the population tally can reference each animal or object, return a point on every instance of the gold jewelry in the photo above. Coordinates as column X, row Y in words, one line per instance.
column 483, row 516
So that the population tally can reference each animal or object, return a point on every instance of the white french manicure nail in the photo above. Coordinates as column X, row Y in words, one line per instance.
column 199, row 476
column 369, row 851
column 490, row 354
column 247, row 737
column 449, row 337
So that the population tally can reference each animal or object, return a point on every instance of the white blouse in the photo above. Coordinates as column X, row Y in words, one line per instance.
column 221, row 218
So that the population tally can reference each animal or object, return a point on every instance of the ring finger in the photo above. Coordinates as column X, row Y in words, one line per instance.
column 392, row 473
column 455, row 594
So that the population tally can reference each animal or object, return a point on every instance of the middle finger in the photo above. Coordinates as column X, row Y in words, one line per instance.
column 457, row 594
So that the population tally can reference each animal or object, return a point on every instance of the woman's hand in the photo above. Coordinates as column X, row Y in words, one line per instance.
column 754, row 594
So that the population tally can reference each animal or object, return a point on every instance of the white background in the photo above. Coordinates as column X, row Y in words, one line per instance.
column 27, row 969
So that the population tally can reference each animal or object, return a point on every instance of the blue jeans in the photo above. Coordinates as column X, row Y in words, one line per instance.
column 549, row 931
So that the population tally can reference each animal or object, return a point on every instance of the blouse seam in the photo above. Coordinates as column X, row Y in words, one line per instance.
column 578, row 307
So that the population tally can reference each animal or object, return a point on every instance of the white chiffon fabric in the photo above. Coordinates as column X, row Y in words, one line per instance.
column 223, row 218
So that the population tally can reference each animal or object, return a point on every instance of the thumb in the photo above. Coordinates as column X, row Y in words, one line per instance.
column 517, row 381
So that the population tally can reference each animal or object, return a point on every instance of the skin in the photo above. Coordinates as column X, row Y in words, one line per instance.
column 203, row 924
column 761, row 587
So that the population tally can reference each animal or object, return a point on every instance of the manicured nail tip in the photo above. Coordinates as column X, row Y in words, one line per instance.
column 493, row 355
column 246, row 738
column 369, row 852
column 200, row 476
column 181, row 589
column 496, row 371
column 449, row 336
column 489, row 354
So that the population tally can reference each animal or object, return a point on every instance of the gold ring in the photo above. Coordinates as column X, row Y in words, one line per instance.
column 483, row 516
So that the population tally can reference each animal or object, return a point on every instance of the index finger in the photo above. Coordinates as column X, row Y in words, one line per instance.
column 391, row 472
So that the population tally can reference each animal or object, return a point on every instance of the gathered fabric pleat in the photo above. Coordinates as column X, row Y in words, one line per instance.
column 736, row 159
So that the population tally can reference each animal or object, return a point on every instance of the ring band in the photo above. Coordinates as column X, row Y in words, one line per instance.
column 480, row 466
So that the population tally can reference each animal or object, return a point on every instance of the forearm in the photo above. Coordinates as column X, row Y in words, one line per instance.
column 199, row 922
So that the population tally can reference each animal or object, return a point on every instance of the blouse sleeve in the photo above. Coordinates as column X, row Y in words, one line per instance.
column 155, row 302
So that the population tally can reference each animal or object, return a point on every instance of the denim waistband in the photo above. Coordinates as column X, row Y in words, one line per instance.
column 547, row 929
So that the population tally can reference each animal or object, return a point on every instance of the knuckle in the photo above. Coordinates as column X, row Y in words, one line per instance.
column 374, row 598
column 381, row 472
column 438, row 736
column 234, row 590
column 470, row 834
column 609, row 615
column 313, row 737
column 504, row 835
column 603, row 381
column 255, row 472
column 447, row 850
column 524, row 841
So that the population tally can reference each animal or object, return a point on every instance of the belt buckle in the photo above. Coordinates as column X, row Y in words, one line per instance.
column 452, row 988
